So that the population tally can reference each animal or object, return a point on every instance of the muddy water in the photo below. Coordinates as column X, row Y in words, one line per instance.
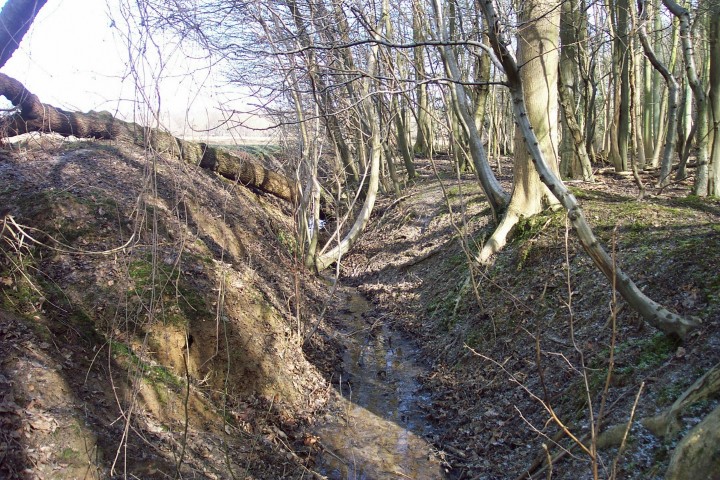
column 377, row 432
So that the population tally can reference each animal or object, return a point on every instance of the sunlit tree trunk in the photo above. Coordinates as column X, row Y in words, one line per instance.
column 662, row 108
column 671, row 132
column 651, row 311
column 714, row 180
column 394, row 61
column 424, row 136
column 621, row 59
column 367, row 109
column 462, row 106
column 701, row 104
column 576, row 159
column 538, row 53
column 656, row 92
column 321, row 92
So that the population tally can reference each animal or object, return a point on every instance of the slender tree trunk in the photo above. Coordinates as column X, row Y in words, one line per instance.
column 669, row 149
column 424, row 136
column 402, row 139
column 396, row 111
column 658, row 114
column 701, row 123
column 497, row 197
column 370, row 119
column 621, row 53
column 662, row 109
column 648, row 109
column 714, row 180
column 572, row 134
column 321, row 93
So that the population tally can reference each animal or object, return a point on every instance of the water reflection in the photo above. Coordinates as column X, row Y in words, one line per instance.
column 372, row 437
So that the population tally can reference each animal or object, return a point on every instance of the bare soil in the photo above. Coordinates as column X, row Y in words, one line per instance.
column 149, row 320
column 151, row 316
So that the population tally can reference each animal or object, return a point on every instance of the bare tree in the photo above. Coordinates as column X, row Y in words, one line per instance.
column 651, row 311
column 538, row 53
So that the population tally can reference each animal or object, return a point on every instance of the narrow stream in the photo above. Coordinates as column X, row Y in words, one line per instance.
column 378, row 432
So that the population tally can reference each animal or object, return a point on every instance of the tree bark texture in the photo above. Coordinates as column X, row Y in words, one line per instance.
column 622, row 53
column 714, row 180
column 701, row 124
column 572, row 132
column 538, row 42
column 16, row 18
column 673, row 88
column 654, row 313
column 497, row 197
column 35, row 116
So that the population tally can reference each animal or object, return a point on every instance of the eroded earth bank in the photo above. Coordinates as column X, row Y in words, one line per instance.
column 156, row 323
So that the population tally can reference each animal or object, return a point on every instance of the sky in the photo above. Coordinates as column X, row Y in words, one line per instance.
column 75, row 57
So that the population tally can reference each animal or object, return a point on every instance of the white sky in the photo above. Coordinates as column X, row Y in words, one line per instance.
column 74, row 58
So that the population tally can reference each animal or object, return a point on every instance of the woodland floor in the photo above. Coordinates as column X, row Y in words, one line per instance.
column 483, row 327
column 116, row 365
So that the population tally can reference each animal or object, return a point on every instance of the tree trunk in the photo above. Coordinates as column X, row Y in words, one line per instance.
column 423, row 138
column 497, row 197
column 701, row 124
column 325, row 259
column 35, row 116
column 572, row 133
column 714, row 180
column 16, row 18
column 651, row 311
column 370, row 119
column 538, row 54
column 671, row 131
column 621, row 54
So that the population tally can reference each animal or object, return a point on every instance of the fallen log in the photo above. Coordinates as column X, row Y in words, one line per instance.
column 35, row 116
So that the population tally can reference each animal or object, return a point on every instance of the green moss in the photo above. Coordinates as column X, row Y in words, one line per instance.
column 288, row 241
column 68, row 455
column 530, row 227
column 669, row 393
column 21, row 297
column 155, row 374
column 181, row 302
column 474, row 339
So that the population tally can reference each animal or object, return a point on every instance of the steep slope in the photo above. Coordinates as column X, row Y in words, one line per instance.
column 150, row 317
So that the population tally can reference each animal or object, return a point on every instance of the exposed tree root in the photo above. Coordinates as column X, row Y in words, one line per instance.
column 667, row 423
column 498, row 239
